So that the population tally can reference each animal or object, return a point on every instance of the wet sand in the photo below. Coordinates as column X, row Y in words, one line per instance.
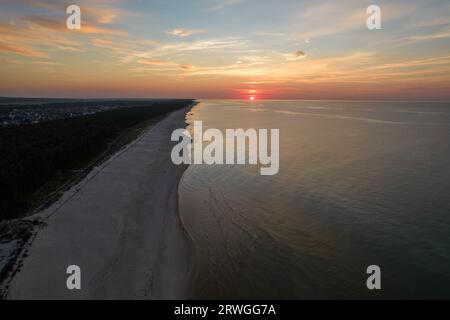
column 120, row 225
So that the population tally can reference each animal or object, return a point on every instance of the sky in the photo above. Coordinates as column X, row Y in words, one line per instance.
column 285, row 49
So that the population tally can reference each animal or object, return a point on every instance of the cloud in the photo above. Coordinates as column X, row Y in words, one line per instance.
column 152, row 62
column 48, row 23
column 68, row 49
column 110, row 45
column 434, row 36
column 433, row 61
column 99, row 13
column 180, row 32
column 166, row 64
column 48, row 63
column 51, row 6
column 188, row 67
column 210, row 44
column 223, row 4
column 102, row 15
column 24, row 39
column 253, row 60
column 232, row 70
column 331, row 18
column 59, row 24
column 22, row 50
column 293, row 56
column 399, row 42
column 39, row 35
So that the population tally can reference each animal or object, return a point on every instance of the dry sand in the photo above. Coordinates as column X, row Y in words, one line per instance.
column 120, row 225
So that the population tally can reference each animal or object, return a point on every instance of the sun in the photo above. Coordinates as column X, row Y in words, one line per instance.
column 252, row 98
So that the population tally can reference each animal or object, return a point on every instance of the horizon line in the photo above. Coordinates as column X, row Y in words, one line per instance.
column 236, row 99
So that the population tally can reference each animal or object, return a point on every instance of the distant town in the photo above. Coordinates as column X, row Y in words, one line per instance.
column 14, row 112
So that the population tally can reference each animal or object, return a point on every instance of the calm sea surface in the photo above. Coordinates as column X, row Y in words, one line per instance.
column 360, row 183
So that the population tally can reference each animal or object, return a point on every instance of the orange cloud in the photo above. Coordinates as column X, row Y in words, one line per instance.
column 166, row 64
column 180, row 32
column 295, row 55
column 22, row 50
column 152, row 62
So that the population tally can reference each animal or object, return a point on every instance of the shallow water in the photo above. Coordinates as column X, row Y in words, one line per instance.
column 360, row 183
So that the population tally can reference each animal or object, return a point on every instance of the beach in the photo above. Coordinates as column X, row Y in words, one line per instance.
column 120, row 225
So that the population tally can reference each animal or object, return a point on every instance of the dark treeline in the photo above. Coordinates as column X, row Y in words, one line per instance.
column 70, row 103
column 17, row 101
column 32, row 154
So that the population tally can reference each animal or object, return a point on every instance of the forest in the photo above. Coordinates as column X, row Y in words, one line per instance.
column 32, row 154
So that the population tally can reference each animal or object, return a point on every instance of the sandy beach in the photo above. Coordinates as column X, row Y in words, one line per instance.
column 120, row 225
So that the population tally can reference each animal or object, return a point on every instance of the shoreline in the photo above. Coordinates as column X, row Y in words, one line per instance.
column 194, row 270
column 120, row 224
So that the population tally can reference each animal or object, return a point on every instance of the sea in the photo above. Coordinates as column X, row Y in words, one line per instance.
column 360, row 183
